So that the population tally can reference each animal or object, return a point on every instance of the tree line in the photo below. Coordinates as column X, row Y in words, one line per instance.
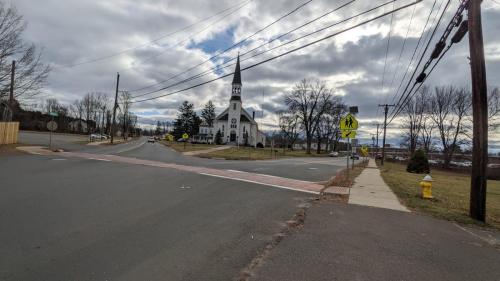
column 440, row 119
column 189, row 122
column 313, row 110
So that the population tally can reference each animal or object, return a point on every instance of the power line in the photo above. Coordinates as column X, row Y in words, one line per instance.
column 283, row 54
column 423, row 53
column 156, row 39
column 438, row 52
column 230, row 47
column 387, row 48
column 414, row 51
column 403, row 46
column 218, row 67
column 255, row 48
column 187, row 39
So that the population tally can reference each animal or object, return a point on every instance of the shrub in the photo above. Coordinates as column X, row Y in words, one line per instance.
column 218, row 138
column 418, row 163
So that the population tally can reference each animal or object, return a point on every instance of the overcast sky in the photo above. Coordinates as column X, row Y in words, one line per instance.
column 72, row 32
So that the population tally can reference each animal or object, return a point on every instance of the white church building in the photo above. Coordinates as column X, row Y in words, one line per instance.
column 236, row 125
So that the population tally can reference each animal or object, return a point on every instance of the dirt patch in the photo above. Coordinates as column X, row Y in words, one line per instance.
column 345, row 177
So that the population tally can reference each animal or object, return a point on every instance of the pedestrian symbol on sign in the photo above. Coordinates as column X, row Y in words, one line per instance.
column 349, row 122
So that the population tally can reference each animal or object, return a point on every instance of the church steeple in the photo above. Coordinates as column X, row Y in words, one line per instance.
column 236, row 91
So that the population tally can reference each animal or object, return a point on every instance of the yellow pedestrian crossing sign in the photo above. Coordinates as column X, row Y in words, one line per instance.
column 185, row 136
column 349, row 122
column 349, row 134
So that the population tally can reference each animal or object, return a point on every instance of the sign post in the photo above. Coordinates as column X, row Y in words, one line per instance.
column 52, row 126
column 185, row 137
column 348, row 127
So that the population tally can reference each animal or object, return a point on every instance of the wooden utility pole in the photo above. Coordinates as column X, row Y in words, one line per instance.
column 12, row 74
column 115, row 106
column 386, row 110
column 479, row 113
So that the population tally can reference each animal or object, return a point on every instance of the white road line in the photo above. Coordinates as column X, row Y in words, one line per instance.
column 131, row 148
column 271, row 176
column 492, row 242
column 99, row 159
column 59, row 159
column 261, row 183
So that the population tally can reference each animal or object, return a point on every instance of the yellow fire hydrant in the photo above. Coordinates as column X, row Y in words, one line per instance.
column 426, row 185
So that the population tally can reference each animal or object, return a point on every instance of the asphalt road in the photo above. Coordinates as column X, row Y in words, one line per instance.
column 302, row 168
column 349, row 242
column 80, row 219
column 94, row 219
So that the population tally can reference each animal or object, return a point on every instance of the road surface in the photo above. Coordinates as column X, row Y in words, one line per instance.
column 140, row 211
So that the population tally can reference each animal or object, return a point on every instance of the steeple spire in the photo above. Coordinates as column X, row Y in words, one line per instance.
column 236, row 92
column 237, row 72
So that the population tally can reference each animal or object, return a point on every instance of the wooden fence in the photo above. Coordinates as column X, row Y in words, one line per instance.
column 9, row 132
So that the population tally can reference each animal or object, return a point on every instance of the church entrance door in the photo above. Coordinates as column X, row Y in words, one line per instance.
column 232, row 136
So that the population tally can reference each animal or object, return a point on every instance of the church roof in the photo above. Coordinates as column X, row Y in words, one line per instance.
column 237, row 72
column 245, row 116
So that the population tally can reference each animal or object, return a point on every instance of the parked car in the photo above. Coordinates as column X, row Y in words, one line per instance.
column 355, row 156
column 151, row 139
column 378, row 156
column 95, row 137
column 181, row 140
column 333, row 154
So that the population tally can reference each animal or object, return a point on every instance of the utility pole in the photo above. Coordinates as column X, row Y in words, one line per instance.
column 114, row 107
column 12, row 74
column 477, row 207
column 386, row 110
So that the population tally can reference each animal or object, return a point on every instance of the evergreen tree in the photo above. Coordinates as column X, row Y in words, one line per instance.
column 208, row 113
column 158, row 128
column 218, row 138
column 187, row 121
column 418, row 163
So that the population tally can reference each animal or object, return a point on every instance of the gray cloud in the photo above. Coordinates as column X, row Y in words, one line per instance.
column 72, row 31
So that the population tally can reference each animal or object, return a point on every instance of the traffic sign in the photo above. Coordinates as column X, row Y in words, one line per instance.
column 348, row 122
column 364, row 151
column 185, row 136
column 54, row 114
column 348, row 134
column 52, row 126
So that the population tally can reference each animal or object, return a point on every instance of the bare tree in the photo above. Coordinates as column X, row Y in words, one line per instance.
column 413, row 112
column 31, row 73
column 426, row 133
column 330, row 123
column 309, row 101
column 77, row 109
column 51, row 105
column 494, row 109
column 289, row 125
column 127, row 120
column 449, row 108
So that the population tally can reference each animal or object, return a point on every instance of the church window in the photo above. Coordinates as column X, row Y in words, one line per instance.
column 233, row 123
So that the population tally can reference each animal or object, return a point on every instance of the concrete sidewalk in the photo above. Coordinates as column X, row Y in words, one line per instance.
column 369, row 189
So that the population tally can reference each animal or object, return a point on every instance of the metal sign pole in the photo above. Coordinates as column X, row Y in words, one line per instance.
column 348, row 153
column 50, row 136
